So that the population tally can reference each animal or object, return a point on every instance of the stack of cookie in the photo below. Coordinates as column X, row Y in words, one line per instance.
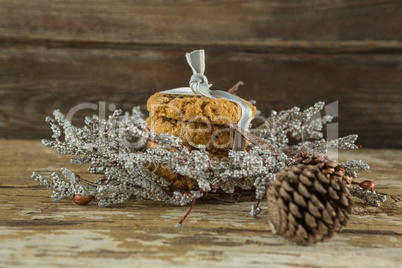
column 196, row 120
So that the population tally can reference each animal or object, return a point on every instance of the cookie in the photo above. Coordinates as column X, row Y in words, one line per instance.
column 179, row 181
column 196, row 120
column 198, row 109
column 214, row 154
column 214, row 137
column 176, row 181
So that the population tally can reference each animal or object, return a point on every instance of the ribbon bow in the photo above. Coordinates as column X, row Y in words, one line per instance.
column 199, row 87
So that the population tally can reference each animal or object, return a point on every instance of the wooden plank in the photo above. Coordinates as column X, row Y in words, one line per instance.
column 36, row 80
column 370, row 25
column 36, row 231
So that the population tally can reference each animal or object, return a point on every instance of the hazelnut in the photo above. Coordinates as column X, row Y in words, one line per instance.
column 368, row 185
column 82, row 200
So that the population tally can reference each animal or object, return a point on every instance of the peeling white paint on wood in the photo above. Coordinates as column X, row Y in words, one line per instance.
column 34, row 231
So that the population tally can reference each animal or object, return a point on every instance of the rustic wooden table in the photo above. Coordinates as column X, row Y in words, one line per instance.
column 38, row 232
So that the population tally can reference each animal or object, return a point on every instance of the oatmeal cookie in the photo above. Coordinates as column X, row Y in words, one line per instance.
column 176, row 181
column 214, row 137
column 197, row 109
column 213, row 154
column 179, row 181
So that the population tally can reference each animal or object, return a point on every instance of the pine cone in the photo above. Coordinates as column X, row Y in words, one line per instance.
column 306, row 206
column 329, row 166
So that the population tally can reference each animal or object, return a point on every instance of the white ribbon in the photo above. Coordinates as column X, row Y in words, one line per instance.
column 199, row 87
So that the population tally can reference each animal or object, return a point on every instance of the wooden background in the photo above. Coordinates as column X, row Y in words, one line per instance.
column 58, row 54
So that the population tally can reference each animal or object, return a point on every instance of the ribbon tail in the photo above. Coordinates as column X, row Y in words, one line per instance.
column 196, row 60
column 247, row 114
column 239, row 141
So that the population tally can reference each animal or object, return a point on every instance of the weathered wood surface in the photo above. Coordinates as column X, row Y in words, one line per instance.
column 58, row 54
column 39, row 80
column 38, row 232
column 370, row 25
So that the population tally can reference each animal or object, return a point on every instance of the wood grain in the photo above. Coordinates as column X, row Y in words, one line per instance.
column 37, row 80
column 58, row 54
column 36, row 231
column 370, row 25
